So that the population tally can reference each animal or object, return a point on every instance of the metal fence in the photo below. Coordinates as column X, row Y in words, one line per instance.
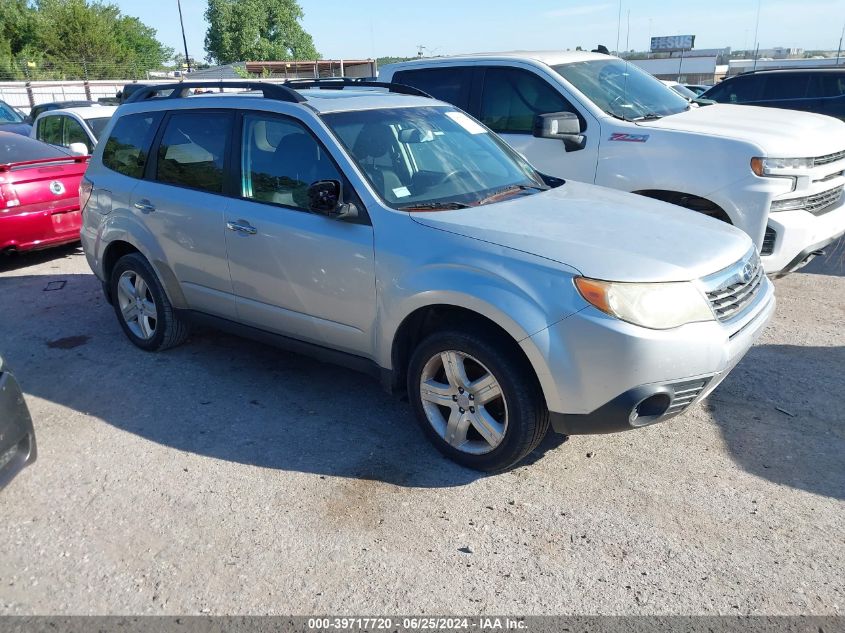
column 26, row 94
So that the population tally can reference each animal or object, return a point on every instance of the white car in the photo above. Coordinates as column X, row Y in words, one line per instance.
column 681, row 89
column 776, row 174
column 76, row 129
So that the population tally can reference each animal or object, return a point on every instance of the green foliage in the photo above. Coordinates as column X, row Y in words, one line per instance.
column 59, row 39
column 256, row 30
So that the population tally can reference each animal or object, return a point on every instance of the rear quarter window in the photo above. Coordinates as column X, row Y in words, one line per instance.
column 447, row 84
column 128, row 146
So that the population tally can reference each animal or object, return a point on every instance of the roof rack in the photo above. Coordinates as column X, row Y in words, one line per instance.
column 278, row 92
column 339, row 83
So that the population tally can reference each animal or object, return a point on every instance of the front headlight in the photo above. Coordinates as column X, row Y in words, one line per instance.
column 780, row 166
column 659, row 306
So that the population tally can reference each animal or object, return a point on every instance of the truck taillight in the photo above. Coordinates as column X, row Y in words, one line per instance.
column 8, row 197
column 85, row 189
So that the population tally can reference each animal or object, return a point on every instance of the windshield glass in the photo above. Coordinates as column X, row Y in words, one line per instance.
column 9, row 115
column 622, row 89
column 432, row 157
column 98, row 125
column 685, row 92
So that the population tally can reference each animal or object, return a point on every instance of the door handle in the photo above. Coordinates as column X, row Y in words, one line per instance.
column 145, row 206
column 242, row 226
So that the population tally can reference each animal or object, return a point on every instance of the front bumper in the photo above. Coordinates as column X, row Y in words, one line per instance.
column 602, row 375
column 798, row 235
column 17, row 436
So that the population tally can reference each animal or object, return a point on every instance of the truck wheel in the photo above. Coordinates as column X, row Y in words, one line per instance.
column 476, row 399
column 142, row 307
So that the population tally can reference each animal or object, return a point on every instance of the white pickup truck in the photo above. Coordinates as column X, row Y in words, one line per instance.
column 776, row 174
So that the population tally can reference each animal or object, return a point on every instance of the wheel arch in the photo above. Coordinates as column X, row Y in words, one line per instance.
column 431, row 318
column 122, row 246
column 688, row 201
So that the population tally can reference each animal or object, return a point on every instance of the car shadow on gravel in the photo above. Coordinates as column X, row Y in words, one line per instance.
column 15, row 261
column 217, row 395
column 782, row 416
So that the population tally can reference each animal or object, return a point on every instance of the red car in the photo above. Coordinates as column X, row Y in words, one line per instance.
column 39, row 194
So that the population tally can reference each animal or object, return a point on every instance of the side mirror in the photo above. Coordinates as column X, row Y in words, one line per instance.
column 78, row 149
column 324, row 196
column 561, row 125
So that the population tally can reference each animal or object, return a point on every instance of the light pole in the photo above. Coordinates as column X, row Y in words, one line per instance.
column 839, row 50
column 756, row 30
column 184, row 40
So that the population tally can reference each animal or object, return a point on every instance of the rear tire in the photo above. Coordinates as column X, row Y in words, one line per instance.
column 142, row 307
column 476, row 399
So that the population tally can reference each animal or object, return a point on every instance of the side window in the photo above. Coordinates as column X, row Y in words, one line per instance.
column 129, row 143
column 512, row 97
column 743, row 89
column 832, row 84
column 192, row 151
column 787, row 85
column 74, row 133
column 280, row 159
column 447, row 84
column 50, row 130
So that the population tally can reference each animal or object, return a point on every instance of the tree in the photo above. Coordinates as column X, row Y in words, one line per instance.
column 57, row 39
column 256, row 30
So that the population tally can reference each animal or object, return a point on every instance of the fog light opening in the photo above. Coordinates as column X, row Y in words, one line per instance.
column 650, row 409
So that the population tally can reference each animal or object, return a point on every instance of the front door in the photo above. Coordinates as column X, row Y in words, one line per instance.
column 510, row 100
column 294, row 272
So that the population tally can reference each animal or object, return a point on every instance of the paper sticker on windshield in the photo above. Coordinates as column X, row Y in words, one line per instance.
column 629, row 138
column 465, row 122
column 401, row 192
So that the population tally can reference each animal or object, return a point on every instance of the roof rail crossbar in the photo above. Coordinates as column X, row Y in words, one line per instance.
column 278, row 92
column 339, row 83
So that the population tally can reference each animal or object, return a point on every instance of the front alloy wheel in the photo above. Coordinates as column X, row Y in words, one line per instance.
column 463, row 402
column 476, row 398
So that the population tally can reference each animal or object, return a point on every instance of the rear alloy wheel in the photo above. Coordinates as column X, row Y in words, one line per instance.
column 476, row 399
column 142, row 307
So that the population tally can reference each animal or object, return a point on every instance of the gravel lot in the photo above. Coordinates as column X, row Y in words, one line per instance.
column 226, row 477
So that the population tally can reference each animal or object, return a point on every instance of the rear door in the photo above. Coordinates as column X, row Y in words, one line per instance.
column 181, row 203
column 789, row 90
column 831, row 88
column 294, row 272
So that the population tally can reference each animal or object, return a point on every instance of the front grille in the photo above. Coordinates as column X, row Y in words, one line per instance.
column 821, row 203
column 769, row 241
column 829, row 158
column 685, row 394
column 735, row 287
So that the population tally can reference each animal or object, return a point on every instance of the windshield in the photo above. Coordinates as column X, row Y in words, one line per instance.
column 622, row 89
column 432, row 157
column 98, row 125
column 9, row 115
column 685, row 92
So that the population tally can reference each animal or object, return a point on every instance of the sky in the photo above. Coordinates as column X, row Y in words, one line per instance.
column 376, row 28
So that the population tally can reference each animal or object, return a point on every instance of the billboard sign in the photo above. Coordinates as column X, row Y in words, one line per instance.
column 672, row 43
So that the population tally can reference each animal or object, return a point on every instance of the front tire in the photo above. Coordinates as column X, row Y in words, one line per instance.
column 476, row 399
column 142, row 307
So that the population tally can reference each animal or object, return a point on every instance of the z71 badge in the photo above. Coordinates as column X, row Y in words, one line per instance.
column 629, row 138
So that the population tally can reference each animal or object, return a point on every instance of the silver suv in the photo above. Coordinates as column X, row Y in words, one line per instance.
column 372, row 225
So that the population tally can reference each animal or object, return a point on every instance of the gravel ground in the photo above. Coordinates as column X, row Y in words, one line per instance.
column 226, row 477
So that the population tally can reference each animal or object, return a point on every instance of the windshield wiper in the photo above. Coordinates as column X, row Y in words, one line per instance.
column 507, row 190
column 650, row 116
column 434, row 206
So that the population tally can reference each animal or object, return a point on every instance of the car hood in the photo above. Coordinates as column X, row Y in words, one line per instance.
column 16, row 128
column 780, row 133
column 603, row 233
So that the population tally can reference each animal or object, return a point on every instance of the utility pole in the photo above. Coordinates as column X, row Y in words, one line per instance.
column 756, row 30
column 628, row 34
column 184, row 40
column 618, row 27
column 839, row 50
